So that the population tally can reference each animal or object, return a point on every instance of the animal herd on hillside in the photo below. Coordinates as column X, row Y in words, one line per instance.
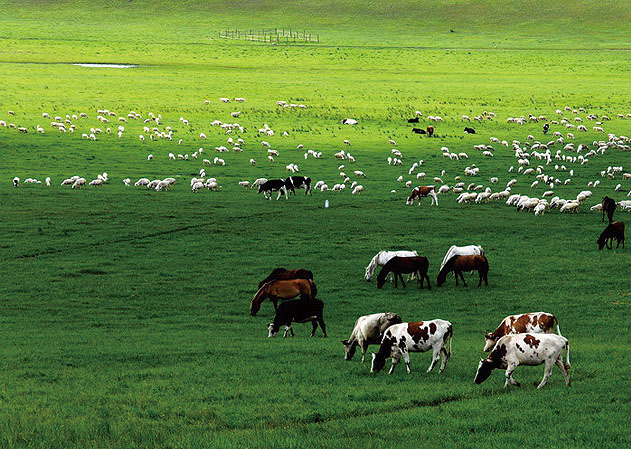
column 524, row 339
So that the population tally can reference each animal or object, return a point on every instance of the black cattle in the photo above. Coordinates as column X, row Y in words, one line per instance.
column 418, row 131
column 274, row 185
column 615, row 230
column 299, row 311
column 298, row 182
column 413, row 120
column 609, row 205
column 469, row 130
column 546, row 127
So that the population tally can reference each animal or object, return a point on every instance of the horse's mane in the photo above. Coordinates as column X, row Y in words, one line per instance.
column 275, row 272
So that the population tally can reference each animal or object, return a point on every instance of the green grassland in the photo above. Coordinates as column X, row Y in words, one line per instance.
column 124, row 312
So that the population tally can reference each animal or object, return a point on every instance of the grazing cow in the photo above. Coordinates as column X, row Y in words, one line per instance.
column 398, row 265
column 284, row 274
column 418, row 131
column 546, row 127
column 368, row 330
column 468, row 130
column 299, row 182
column 430, row 131
column 401, row 339
column 349, row 121
column 526, row 349
column 608, row 205
column 420, row 192
column 413, row 120
column 299, row 311
column 614, row 230
column 538, row 322
column 274, row 185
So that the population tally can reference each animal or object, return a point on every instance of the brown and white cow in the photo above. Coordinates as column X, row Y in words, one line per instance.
column 526, row 349
column 368, row 330
column 421, row 192
column 538, row 322
column 401, row 339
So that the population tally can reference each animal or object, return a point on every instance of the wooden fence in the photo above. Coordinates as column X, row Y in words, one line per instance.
column 272, row 36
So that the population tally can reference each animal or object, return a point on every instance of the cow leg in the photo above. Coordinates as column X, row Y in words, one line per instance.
column 288, row 329
column 443, row 363
column 363, row 345
column 565, row 372
column 429, row 286
column 435, row 358
column 546, row 374
column 406, row 359
column 323, row 327
column 509, row 376
column 395, row 360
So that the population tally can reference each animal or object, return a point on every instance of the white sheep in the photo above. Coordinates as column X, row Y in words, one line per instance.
column 358, row 189
column 79, row 183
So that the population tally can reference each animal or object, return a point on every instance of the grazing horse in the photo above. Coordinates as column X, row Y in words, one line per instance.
column 398, row 265
column 284, row 274
column 382, row 257
column 459, row 264
column 615, row 230
column 420, row 192
column 468, row 250
column 283, row 289
column 609, row 206
column 430, row 131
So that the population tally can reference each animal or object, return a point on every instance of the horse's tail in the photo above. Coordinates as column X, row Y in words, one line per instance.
column 451, row 338
column 314, row 289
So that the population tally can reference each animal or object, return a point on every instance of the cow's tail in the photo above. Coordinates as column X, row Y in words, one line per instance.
column 567, row 356
column 450, row 336
column 556, row 320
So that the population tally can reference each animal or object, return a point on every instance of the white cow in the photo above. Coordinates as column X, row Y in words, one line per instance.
column 368, row 330
column 526, row 349
column 469, row 250
column 382, row 257
column 401, row 339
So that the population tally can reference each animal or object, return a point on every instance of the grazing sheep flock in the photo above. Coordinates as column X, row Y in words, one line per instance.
column 536, row 164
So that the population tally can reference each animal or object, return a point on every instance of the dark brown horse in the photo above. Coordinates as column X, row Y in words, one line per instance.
column 458, row 264
column 283, row 289
column 609, row 205
column 399, row 265
column 284, row 274
column 615, row 230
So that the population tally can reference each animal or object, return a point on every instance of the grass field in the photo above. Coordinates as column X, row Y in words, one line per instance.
column 124, row 312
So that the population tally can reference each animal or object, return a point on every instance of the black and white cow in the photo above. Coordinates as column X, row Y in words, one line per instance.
column 368, row 330
column 274, row 185
column 469, row 130
column 298, row 182
column 418, row 131
column 401, row 339
column 299, row 311
column 526, row 349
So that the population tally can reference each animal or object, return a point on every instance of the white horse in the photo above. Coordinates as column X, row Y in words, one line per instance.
column 382, row 258
column 462, row 251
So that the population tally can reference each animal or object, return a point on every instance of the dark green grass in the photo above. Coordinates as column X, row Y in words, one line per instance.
column 125, row 311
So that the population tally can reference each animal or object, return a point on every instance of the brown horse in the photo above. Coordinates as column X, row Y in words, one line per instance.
column 398, row 265
column 459, row 264
column 284, row 274
column 283, row 289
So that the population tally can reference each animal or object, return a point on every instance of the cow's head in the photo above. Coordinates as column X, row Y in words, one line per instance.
column 489, row 342
column 378, row 362
column 485, row 368
column 349, row 349
column 273, row 330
